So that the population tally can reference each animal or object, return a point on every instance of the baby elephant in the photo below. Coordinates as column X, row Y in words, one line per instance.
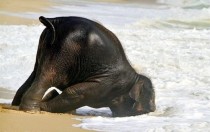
column 87, row 63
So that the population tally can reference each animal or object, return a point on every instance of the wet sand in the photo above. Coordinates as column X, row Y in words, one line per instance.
column 10, row 8
column 13, row 120
column 127, row 1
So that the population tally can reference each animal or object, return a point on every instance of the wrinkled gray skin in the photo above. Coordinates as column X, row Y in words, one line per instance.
column 87, row 63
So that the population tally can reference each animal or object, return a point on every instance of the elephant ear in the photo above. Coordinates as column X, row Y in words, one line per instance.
column 135, row 92
column 144, row 95
column 49, row 24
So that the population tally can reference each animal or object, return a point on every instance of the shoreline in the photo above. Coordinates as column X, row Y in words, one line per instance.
column 14, row 120
column 6, row 93
column 10, row 11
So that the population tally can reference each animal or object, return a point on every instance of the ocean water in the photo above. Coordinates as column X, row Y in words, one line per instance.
column 169, row 41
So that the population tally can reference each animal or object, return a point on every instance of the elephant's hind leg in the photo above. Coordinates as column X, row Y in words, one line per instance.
column 72, row 98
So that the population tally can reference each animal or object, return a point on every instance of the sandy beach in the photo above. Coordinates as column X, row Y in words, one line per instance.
column 10, row 11
column 14, row 120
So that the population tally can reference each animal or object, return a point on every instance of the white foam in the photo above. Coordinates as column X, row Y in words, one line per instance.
column 17, row 53
column 5, row 101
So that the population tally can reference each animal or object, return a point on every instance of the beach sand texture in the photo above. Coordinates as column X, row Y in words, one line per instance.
column 10, row 11
column 12, row 120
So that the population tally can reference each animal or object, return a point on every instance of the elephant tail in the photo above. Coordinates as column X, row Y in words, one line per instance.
column 48, row 22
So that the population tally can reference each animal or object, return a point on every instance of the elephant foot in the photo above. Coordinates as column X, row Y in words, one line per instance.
column 30, row 106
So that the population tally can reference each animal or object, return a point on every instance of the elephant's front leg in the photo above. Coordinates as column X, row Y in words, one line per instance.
column 74, row 97
column 32, row 98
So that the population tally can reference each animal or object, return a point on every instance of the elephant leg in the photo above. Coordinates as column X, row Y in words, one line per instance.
column 32, row 98
column 51, row 95
column 21, row 91
column 73, row 97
